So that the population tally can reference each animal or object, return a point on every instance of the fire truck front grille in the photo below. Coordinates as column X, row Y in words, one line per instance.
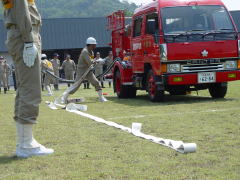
column 202, row 68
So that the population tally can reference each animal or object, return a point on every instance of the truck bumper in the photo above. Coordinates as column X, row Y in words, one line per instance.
column 192, row 79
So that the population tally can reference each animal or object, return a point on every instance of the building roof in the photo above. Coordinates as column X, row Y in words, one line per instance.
column 68, row 33
column 71, row 33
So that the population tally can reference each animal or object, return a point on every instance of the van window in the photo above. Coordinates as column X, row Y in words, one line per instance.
column 152, row 24
column 137, row 27
column 195, row 18
column 221, row 19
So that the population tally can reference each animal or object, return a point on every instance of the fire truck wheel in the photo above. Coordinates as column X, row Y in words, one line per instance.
column 154, row 94
column 218, row 90
column 121, row 90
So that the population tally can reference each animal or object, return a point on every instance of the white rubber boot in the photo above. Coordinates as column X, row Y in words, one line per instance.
column 64, row 98
column 101, row 97
column 50, row 93
column 27, row 146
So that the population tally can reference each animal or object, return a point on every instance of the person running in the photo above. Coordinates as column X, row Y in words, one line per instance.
column 84, row 63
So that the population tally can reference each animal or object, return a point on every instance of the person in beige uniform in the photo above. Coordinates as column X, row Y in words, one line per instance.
column 56, row 67
column 108, row 62
column 69, row 68
column 22, row 22
column 99, row 67
column 8, row 72
column 48, row 79
column 3, row 74
column 109, row 59
column 84, row 62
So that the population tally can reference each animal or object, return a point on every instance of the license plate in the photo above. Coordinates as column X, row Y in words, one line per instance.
column 207, row 77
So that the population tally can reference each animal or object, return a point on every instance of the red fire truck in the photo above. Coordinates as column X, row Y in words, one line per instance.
column 175, row 46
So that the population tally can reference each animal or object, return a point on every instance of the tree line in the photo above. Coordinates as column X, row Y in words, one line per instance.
column 80, row 8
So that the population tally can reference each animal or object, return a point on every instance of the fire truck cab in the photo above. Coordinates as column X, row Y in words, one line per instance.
column 175, row 46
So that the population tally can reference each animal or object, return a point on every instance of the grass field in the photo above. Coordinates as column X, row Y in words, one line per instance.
column 87, row 150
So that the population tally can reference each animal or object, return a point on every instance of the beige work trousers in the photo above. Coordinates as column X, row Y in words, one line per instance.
column 90, row 77
column 48, row 80
column 3, row 80
column 69, row 75
column 56, row 81
column 99, row 71
column 28, row 95
column 7, row 76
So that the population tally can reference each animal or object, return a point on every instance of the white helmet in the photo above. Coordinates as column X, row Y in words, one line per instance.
column 91, row 40
column 44, row 56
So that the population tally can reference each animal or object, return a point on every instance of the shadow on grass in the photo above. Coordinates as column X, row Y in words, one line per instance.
column 8, row 159
column 143, row 100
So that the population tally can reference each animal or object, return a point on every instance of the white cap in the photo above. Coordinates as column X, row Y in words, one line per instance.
column 44, row 56
column 91, row 40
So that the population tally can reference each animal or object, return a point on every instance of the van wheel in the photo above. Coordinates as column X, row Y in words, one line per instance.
column 218, row 90
column 121, row 90
column 154, row 94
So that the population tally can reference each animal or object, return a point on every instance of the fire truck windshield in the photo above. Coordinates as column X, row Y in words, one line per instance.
column 199, row 20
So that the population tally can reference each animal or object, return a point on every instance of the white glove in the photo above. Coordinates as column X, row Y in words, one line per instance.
column 29, row 54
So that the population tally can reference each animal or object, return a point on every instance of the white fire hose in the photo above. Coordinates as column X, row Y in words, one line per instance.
column 178, row 146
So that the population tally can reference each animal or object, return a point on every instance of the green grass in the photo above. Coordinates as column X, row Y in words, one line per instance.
column 85, row 149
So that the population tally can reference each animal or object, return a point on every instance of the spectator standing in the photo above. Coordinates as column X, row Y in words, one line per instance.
column 99, row 67
column 108, row 62
column 3, row 74
column 69, row 68
column 56, row 67
column 14, row 77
